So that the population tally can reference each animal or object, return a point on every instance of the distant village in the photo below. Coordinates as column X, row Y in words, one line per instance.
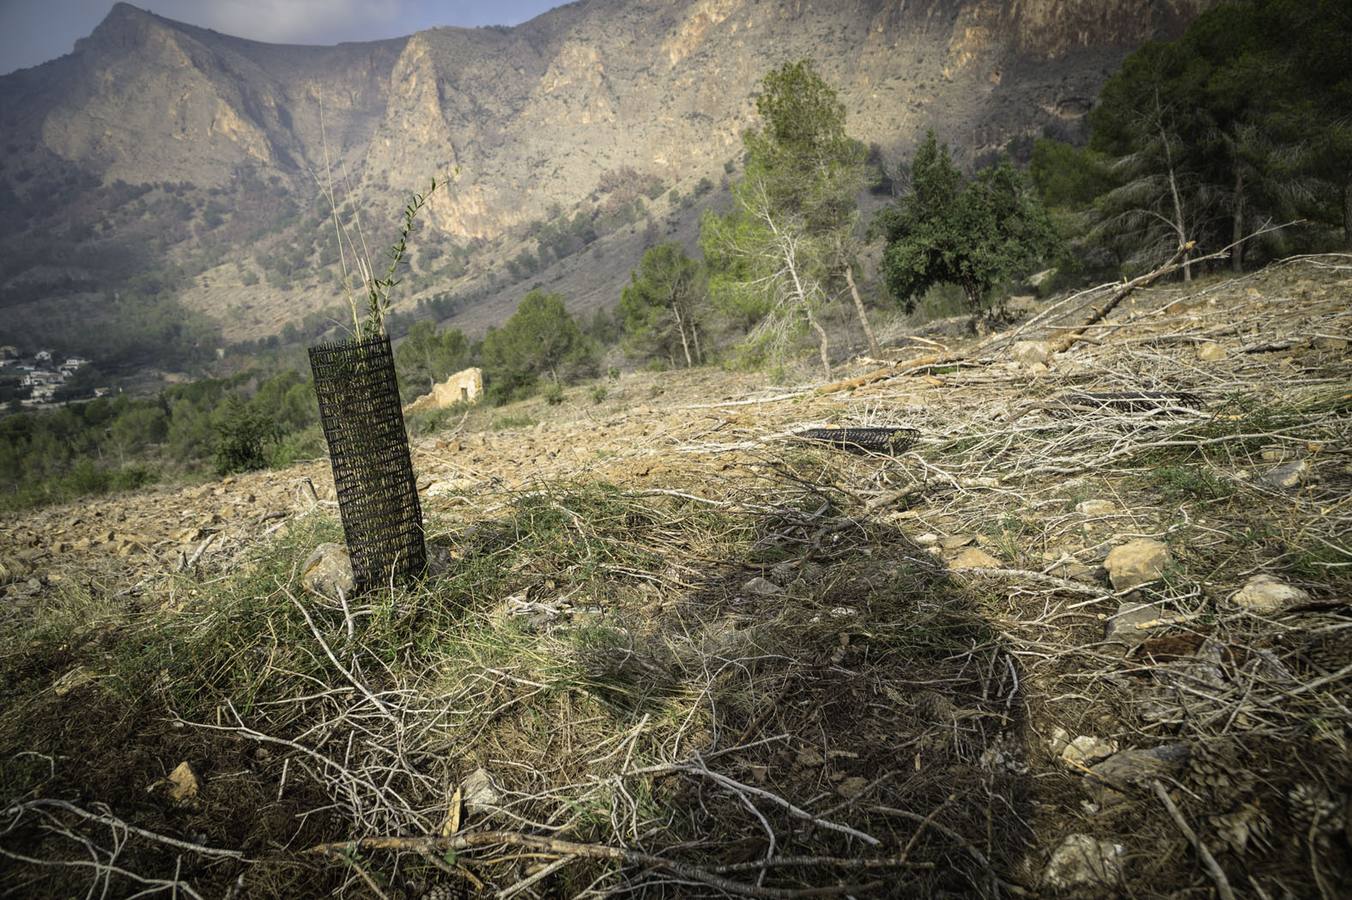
column 42, row 375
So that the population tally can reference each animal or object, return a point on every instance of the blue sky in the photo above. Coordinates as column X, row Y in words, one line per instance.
column 34, row 31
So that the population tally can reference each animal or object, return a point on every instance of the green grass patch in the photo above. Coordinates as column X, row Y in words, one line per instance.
column 1185, row 482
column 511, row 422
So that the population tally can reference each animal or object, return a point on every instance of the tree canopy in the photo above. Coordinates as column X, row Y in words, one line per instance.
column 660, row 308
column 773, row 257
column 427, row 355
column 1244, row 121
column 540, row 339
column 972, row 232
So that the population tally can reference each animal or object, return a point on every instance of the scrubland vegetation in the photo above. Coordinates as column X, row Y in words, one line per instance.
column 1238, row 128
column 1083, row 635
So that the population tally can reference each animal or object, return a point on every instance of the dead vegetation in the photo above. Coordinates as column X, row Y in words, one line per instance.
column 699, row 657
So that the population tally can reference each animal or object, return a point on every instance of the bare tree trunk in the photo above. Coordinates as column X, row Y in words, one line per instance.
column 980, row 317
column 694, row 334
column 874, row 350
column 821, row 340
column 1180, row 229
column 680, row 326
column 1237, row 235
column 1347, row 215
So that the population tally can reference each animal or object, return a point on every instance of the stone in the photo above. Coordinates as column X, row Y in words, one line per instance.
column 761, row 587
column 1096, row 508
column 955, row 541
column 1082, row 860
column 1286, row 477
column 1031, row 352
column 440, row 559
column 1059, row 740
column 478, row 792
column 928, row 539
column 1087, row 749
column 975, row 558
column 1267, row 594
column 328, row 572
column 1211, row 352
column 183, row 783
column 450, row 486
column 1134, row 768
column 1136, row 563
column 1330, row 343
column 465, row 386
column 852, row 787
column 1134, row 620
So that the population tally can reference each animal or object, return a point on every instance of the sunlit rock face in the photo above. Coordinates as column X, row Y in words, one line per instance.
column 531, row 117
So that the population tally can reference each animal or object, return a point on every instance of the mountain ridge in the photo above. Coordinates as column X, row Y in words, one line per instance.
column 534, row 118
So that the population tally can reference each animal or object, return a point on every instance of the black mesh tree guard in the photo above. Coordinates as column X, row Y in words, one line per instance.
column 889, row 441
column 372, row 471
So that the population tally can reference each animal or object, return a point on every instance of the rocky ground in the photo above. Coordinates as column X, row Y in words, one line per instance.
column 1087, row 634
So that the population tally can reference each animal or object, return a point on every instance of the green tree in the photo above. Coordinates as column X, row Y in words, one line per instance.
column 1243, row 121
column 775, row 256
column 540, row 339
column 191, row 435
column 136, row 429
column 243, row 436
column 659, row 308
column 427, row 356
column 1067, row 177
column 970, row 232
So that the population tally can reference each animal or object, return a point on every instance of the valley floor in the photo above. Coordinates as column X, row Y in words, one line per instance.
column 1089, row 635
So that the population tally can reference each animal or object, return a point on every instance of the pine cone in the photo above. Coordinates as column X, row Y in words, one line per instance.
column 1310, row 802
column 1243, row 828
column 1216, row 770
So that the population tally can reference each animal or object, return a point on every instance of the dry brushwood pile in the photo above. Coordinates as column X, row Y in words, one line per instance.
column 1087, row 634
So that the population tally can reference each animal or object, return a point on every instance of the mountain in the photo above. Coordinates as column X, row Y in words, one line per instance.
column 164, row 159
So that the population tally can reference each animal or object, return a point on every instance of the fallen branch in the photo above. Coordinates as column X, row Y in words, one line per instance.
column 558, row 847
column 1213, row 868
column 1063, row 343
column 1176, row 262
column 114, row 822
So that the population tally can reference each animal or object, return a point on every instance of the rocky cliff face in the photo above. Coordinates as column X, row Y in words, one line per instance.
column 533, row 117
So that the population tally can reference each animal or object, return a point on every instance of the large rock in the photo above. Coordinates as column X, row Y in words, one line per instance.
column 465, row 386
column 975, row 558
column 328, row 572
column 1031, row 352
column 1096, row 508
column 1286, row 477
column 1082, row 860
column 1136, row 563
column 1087, row 749
column 1267, row 594
column 1134, row 620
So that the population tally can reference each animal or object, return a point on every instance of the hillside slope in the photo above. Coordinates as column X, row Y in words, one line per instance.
column 591, row 105
column 1093, row 620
